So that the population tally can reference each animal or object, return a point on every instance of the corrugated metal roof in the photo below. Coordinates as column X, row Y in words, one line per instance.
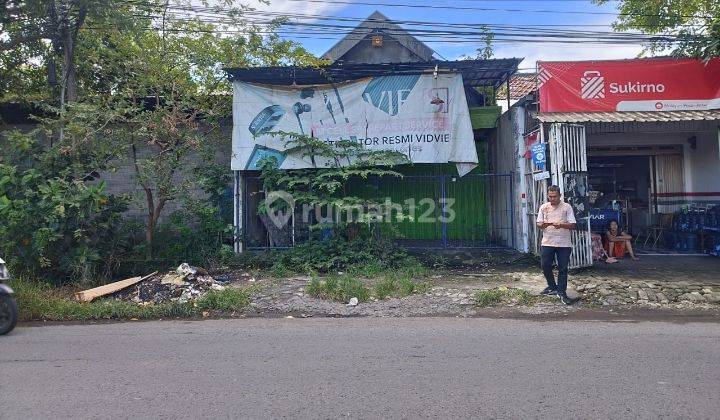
column 628, row 116
column 492, row 72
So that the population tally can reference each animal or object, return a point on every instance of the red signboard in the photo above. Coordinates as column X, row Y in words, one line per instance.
column 653, row 84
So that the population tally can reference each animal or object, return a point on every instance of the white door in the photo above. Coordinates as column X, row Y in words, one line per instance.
column 568, row 167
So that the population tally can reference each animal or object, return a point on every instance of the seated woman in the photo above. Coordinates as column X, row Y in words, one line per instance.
column 617, row 242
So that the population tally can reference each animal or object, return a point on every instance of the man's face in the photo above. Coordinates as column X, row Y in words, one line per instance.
column 554, row 197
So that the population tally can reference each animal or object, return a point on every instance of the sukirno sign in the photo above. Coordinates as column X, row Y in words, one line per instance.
column 424, row 117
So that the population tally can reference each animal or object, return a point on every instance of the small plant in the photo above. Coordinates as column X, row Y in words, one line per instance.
column 338, row 288
column 487, row 298
column 229, row 299
column 492, row 297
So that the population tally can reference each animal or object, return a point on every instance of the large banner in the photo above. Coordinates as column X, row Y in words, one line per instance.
column 424, row 117
column 663, row 84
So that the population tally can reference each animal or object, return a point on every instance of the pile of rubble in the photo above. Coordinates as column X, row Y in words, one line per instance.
column 186, row 283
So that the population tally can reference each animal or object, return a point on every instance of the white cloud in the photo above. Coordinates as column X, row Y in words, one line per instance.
column 293, row 7
column 566, row 52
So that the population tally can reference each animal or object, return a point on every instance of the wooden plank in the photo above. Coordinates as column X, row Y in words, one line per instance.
column 90, row 294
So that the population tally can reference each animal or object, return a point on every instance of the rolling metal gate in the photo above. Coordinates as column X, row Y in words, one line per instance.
column 482, row 205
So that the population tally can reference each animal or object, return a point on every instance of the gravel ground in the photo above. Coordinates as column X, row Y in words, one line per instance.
column 451, row 293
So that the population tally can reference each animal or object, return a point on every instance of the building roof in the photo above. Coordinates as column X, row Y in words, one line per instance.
column 628, row 116
column 521, row 84
column 378, row 23
column 492, row 72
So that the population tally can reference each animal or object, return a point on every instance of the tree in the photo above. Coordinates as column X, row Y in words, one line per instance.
column 156, row 67
column 176, row 74
column 486, row 51
column 41, row 39
column 694, row 25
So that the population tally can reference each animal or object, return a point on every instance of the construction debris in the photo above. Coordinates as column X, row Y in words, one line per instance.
column 185, row 284
column 90, row 294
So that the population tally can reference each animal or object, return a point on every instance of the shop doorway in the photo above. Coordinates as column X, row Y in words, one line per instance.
column 619, row 188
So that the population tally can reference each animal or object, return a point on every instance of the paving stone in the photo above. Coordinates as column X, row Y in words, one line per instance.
column 713, row 297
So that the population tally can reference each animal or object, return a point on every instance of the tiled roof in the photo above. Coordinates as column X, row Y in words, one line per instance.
column 628, row 116
column 521, row 85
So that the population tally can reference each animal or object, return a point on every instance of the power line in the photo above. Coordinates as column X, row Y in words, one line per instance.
column 491, row 9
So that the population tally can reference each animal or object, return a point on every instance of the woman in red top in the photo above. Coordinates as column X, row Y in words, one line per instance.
column 617, row 243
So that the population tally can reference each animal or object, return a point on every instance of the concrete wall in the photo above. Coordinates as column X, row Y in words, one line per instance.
column 122, row 180
column 504, row 159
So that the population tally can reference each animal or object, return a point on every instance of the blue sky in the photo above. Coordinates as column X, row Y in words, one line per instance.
column 531, row 51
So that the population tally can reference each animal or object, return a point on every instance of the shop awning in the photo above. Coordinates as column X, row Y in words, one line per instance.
column 628, row 116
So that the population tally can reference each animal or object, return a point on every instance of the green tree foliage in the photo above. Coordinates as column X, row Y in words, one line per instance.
column 137, row 81
column 58, row 223
column 695, row 22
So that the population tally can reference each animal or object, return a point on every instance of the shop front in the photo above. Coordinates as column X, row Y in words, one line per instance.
column 627, row 140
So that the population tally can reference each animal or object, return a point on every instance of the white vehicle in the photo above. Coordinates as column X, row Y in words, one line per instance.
column 8, row 306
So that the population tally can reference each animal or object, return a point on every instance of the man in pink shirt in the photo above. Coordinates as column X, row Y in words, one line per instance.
column 556, row 220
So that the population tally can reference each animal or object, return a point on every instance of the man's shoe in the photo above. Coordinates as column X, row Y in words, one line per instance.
column 549, row 291
column 565, row 299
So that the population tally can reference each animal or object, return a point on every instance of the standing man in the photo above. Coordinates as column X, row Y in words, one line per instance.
column 556, row 219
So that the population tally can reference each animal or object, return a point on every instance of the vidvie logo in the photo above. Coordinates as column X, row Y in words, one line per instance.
column 389, row 93
column 592, row 85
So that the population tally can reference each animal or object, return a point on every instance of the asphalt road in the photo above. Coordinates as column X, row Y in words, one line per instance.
column 362, row 368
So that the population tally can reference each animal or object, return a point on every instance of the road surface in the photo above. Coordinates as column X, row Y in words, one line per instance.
column 362, row 368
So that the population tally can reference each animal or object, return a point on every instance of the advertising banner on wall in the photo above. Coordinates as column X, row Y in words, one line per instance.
column 653, row 84
column 424, row 117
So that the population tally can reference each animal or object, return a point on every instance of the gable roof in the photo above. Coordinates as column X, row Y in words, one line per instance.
column 377, row 22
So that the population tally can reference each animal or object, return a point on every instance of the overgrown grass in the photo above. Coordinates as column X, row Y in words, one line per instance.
column 345, row 286
column 340, row 288
column 39, row 301
column 492, row 297
column 398, row 286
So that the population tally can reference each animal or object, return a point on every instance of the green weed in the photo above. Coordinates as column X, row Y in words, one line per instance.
column 39, row 301
column 228, row 299
column 492, row 297
column 338, row 288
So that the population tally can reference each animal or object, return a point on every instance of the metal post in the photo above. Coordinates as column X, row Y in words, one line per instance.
column 442, row 218
column 507, row 86
column 238, row 212
column 512, row 209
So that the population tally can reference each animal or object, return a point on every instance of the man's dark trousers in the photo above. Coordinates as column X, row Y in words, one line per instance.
column 547, row 257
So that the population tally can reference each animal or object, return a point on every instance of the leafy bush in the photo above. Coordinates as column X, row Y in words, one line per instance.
column 58, row 223
column 194, row 235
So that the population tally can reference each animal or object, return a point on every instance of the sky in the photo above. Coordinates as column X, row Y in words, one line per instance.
column 530, row 51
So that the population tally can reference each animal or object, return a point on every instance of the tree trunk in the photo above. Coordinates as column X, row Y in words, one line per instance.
column 150, row 226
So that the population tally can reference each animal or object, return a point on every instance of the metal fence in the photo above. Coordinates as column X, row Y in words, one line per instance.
column 426, row 211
